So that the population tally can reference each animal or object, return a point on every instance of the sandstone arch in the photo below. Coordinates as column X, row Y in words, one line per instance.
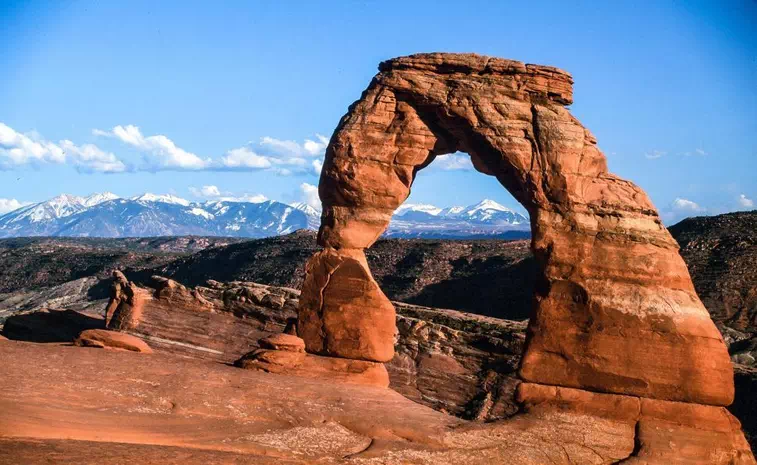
column 615, row 310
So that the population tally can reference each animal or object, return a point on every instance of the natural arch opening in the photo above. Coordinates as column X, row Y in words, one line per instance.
column 609, row 274
column 469, row 244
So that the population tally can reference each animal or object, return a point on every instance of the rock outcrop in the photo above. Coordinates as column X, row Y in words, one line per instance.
column 615, row 310
column 454, row 362
column 112, row 340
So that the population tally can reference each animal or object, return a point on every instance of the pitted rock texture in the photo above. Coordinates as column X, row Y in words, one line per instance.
column 615, row 310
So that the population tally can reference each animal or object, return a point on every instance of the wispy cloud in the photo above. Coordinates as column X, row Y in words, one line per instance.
column 686, row 205
column 655, row 154
column 283, row 157
column 17, row 149
column 681, row 208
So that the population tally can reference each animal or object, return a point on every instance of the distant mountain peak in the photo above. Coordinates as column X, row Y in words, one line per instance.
column 305, row 208
column 488, row 204
column 96, row 199
column 164, row 198
column 418, row 207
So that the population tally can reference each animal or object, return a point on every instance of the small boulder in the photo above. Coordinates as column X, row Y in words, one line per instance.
column 285, row 342
column 113, row 340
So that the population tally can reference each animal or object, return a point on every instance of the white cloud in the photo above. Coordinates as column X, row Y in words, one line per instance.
column 290, row 148
column 310, row 195
column 205, row 191
column 90, row 158
column 317, row 167
column 700, row 152
column 453, row 162
column 8, row 205
column 161, row 152
column 18, row 149
column 745, row 202
column 243, row 157
column 654, row 154
column 685, row 205
column 316, row 147
column 252, row 198
column 282, row 157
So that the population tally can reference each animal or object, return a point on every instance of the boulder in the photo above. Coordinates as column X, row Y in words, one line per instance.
column 283, row 341
column 104, row 339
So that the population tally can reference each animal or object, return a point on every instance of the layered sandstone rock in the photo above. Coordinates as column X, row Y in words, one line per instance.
column 220, row 321
column 615, row 310
column 454, row 362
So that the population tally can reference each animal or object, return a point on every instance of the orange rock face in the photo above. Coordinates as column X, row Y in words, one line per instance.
column 615, row 310
column 343, row 312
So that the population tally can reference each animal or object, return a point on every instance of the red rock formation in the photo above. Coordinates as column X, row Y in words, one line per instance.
column 455, row 362
column 615, row 308
column 113, row 340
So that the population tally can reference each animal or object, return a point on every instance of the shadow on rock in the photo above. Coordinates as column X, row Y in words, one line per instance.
column 49, row 326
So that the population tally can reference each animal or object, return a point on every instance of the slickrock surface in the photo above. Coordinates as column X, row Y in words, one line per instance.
column 325, row 369
column 113, row 340
column 173, row 408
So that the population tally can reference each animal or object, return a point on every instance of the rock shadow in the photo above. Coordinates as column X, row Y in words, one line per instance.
column 49, row 326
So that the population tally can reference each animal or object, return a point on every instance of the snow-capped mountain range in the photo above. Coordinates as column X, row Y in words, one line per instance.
column 108, row 215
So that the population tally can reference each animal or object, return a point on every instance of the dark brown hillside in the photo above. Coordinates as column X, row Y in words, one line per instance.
column 721, row 252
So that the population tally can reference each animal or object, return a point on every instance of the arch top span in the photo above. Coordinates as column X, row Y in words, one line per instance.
column 615, row 310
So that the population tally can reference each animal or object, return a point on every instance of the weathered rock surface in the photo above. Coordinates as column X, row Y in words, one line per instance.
column 220, row 321
column 113, row 340
column 617, row 311
column 198, row 412
column 285, row 342
column 455, row 362
column 333, row 369
column 343, row 312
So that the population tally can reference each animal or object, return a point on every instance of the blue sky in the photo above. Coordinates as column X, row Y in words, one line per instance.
column 137, row 96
